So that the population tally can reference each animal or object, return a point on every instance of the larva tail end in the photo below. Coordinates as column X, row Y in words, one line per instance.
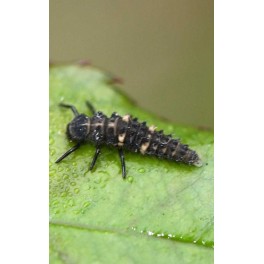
column 198, row 163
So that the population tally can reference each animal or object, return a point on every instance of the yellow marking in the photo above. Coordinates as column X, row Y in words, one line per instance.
column 176, row 149
column 115, row 125
column 111, row 124
column 164, row 150
column 97, row 124
column 155, row 147
column 149, row 136
column 152, row 128
column 120, row 144
column 87, row 125
column 126, row 118
column 121, row 137
column 144, row 147
column 167, row 145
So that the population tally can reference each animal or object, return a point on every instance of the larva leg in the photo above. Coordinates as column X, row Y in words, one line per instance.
column 91, row 108
column 73, row 108
column 97, row 152
column 123, row 164
column 68, row 153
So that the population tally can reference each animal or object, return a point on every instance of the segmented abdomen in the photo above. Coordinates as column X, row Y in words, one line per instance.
column 132, row 135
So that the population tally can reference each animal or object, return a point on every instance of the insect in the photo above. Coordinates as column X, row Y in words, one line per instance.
column 124, row 133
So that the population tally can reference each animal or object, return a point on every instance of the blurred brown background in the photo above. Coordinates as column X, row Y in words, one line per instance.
column 163, row 50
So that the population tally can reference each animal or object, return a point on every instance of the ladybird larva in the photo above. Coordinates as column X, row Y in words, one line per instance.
column 124, row 133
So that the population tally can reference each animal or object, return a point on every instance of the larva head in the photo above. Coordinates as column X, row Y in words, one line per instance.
column 78, row 128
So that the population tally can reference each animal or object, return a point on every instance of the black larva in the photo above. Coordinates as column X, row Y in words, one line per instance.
column 124, row 133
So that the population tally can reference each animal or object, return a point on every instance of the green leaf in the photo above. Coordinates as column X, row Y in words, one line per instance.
column 163, row 211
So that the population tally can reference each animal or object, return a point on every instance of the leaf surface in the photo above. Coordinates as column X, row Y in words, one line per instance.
column 163, row 211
